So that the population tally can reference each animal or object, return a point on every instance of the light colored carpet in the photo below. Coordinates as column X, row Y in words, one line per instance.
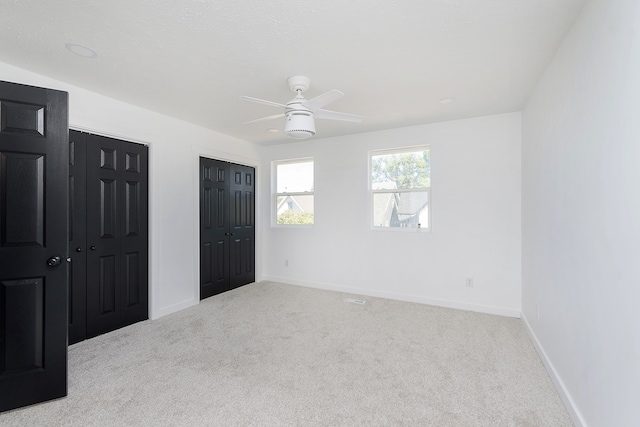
column 269, row 354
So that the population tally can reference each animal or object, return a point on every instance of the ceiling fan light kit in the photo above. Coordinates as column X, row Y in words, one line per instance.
column 299, row 125
column 300, row 112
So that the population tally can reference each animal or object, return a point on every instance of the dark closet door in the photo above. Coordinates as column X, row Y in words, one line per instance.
column 227, row 226
column 214, row 227
column 134, row 249
column 34, row 175
column 117, row 272
column 242, row 225
column 77, row 236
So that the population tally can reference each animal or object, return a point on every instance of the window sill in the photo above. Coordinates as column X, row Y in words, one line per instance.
column 401, row 230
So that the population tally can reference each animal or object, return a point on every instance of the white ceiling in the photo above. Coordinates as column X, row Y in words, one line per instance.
column 393, row 59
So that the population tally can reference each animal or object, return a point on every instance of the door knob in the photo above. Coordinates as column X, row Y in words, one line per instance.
column 54, row 261
column 78, row 249
column 93, row 248
column 69, row 259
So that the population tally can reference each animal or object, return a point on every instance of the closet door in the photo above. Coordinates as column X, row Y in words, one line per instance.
column 134, row 250
column 249, row 231
column 215, row 236
column 103, row 236
column 242, row 226
column 227, row 226
column 117, row 276
column 77, row 237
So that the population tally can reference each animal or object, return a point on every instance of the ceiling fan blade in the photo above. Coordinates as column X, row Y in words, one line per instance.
column 275, row 116
column 334, row 115
column 262, row 101
column 321, row 100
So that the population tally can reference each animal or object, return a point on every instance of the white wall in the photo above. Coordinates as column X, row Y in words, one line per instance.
column 581, row 215
column 475, row 166
column 174, row 148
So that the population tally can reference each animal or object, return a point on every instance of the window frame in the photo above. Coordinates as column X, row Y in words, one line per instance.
column 372, row 192
column 276, row 195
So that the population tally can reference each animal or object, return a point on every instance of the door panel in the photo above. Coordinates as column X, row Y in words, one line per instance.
column 249, row 256
column 77, row 237
column 134, row 249
column 220, row 264
column 249, row 225
column 103, row 236
column 236, row 226
column 23, row 199
column 132, row 280
column 236, row 260
column 117, row 234
column 23, row 302
column 22, row 118
column 244, row 229
column 107, row 284
column 214, row 235
column 132, row 209
column 33, row 232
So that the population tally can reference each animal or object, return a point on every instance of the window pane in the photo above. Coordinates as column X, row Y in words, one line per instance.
column 411, row 169
column 404, row 210
column 294, row 177
column 294, row 209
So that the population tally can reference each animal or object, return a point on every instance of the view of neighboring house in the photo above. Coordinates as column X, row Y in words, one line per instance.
column 295, row 209
column 399, row 209
column 295, row 203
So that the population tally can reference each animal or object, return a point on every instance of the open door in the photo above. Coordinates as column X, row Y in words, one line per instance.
column 34, row 165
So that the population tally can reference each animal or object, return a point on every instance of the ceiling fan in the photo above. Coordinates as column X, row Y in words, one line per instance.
column 300, row 112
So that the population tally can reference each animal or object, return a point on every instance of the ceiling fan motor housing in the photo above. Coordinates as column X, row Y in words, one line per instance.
column 299, row 124
column 299, row 83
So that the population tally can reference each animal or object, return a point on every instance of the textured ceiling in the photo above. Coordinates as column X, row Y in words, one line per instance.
column 393, row 59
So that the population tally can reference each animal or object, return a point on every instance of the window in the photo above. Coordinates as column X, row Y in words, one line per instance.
column 400, row 184
column 294, row 192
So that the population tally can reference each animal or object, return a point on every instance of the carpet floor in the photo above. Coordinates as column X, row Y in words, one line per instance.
column 269, row 354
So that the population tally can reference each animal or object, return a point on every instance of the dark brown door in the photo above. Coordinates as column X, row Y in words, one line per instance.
column 77, row 236
column 227, row 226
column 34, row 169
column 214, row 227
column 117, row 234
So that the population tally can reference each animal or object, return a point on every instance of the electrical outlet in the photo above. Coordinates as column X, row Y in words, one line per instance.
column 469, row 282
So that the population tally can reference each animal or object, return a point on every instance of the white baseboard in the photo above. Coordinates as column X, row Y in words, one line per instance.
column 568, row 401
column 156, row 314
column 500, row 311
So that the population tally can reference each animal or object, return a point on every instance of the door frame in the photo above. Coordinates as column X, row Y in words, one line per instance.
column 239, row 160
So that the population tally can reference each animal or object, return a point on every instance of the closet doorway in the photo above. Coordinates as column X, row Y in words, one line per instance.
column 108, row 234
column 227, row 226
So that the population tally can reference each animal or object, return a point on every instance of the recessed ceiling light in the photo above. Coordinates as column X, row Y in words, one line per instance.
column 80, row 50
column 447, row 100
column 273, row 130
